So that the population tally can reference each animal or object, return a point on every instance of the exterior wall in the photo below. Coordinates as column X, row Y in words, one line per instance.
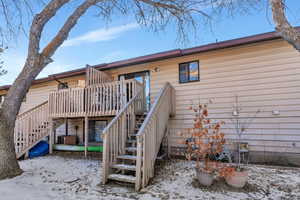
column 39, row 93
column 265, row 76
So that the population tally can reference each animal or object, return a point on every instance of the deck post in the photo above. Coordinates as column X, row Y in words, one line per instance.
column 51, row 136
column 105, row 165
column 123, row 92
column 86, row 135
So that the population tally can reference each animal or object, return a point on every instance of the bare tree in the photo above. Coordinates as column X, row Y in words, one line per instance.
column 151, row 13
column 2, row 71
column 283, row 27
column 241, row 124
column 154, row 14
column 244, row 7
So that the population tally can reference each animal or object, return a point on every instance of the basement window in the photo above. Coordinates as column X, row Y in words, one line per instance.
column 189, row 72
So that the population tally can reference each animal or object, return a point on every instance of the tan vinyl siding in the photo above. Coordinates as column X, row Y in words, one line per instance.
column 265, row 76
column 38, row 93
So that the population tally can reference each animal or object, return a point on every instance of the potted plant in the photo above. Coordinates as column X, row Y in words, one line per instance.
column 237, row 176
column 204, row 141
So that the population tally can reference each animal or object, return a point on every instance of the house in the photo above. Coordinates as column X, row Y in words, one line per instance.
column 130, row 106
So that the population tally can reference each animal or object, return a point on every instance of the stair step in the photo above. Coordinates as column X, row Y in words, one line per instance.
column 161, row 157
column 132, row 135
column 124, row 167
column 131, row 149
column 123, row 178
column 127, row 157
column 131, row 141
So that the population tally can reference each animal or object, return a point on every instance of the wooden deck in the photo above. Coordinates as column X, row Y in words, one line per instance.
column 104, row 99
column 133, row 136
column 100, row 97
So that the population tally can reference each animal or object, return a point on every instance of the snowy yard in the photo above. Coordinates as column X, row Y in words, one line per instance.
column 55, row 177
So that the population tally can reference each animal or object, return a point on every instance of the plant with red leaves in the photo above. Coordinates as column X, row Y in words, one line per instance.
column 205, row 140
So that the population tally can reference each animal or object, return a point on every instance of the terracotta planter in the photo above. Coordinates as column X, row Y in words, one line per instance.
column 237, row 179
column 204, row 178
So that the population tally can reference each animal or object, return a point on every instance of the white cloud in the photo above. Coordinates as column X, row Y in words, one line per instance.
column 100, row 35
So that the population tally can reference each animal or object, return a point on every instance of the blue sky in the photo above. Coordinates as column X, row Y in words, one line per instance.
column 93, row 41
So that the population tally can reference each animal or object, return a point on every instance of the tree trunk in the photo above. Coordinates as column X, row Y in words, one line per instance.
column 9, row 166
column 282, row 25
column 35, row 62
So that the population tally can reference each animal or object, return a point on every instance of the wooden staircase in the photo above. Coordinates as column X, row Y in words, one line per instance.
column 125, row 168
column 30, row 128
column 133, row 138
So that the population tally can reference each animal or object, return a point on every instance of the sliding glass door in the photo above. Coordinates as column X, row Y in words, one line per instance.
column 142, row 77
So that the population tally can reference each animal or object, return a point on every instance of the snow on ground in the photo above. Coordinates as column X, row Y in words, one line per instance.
column 61, row 178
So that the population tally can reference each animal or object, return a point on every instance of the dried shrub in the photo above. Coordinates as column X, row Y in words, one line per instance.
column 205, row 141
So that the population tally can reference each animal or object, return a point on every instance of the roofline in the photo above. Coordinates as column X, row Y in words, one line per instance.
column 194, row 50
column 164, row 55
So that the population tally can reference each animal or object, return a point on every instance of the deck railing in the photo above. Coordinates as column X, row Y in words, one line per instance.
column 151, row 133
column 94, row 100
column 67, row 103
column 116, row 133
column 94, row 76
column 30, row 128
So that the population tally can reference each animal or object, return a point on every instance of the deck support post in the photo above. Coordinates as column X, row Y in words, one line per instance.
column 51, row 136
column 105, row 162
column 86, row 135
column 67, row 127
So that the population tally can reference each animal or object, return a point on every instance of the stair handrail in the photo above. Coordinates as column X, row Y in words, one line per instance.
column 151, row 133
column 117, row 131
column 31, row 109
column 30, row 127
column 120, row 113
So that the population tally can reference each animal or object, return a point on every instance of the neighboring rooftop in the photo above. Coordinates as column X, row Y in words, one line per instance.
column 162, row 55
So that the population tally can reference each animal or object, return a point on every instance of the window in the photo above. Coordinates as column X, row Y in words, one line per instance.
column 189, row 72
column 62, row 86
column 96, row 128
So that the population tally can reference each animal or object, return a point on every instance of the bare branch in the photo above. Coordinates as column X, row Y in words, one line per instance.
column 283, row 27
column 63, row 33
column 39, row 22
column 2, row 71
